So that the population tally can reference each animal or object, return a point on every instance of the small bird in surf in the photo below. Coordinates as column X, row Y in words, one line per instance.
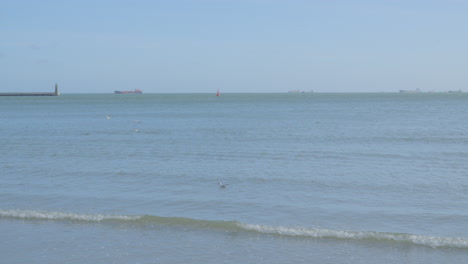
column 223, row 185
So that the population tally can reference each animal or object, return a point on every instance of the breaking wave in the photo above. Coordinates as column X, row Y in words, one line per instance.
column 29, row 214
column 430, row 241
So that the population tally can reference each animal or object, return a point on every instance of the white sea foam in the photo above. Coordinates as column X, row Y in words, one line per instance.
column 430, row 241
column 30, row 214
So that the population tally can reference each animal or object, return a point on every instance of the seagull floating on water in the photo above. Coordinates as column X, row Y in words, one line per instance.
column 108, row 117
column 222, row 185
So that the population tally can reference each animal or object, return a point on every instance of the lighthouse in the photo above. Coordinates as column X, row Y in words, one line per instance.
column 56, row 90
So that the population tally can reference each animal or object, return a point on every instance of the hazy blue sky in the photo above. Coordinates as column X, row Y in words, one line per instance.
column 89, row 46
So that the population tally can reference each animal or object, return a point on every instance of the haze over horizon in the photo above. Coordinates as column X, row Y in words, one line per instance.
column 237, row 46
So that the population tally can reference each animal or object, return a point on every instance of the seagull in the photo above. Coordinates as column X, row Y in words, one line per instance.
column 108, row 117
column 222, row 185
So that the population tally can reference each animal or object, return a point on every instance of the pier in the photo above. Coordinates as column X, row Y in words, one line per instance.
column 55, row 93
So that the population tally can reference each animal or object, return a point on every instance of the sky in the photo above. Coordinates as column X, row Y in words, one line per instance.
column 236, row 46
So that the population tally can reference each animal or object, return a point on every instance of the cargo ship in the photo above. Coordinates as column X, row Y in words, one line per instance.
column 410, row 91
column 136, row 91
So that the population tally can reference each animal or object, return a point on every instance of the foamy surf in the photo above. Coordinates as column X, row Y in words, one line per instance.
column 30, row 214
column 430, row 241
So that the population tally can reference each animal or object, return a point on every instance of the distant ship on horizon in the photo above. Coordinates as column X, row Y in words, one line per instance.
column 410, row 91
column 300, row 91
column 136, row 91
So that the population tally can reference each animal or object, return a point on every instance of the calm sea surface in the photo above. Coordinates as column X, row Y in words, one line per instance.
column 313, row 178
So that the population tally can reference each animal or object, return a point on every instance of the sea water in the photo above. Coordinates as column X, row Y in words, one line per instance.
column 312, row 178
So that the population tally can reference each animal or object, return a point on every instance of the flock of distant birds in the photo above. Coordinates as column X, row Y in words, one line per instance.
column 220, row 184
